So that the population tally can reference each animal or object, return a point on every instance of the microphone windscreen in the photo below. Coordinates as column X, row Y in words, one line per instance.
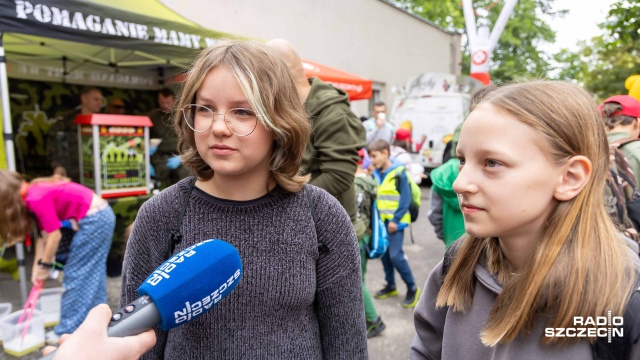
column 192, row 281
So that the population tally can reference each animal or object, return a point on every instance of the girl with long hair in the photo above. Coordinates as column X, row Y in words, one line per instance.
column 540, row 249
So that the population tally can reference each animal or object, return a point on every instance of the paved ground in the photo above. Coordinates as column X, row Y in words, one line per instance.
column 392, row 344
column 423, row 255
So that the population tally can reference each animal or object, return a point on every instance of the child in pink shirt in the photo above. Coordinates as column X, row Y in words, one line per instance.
column 52, row 200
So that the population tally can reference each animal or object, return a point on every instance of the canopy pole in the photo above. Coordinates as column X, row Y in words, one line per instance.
column 6, row 114
column 64, row 70
column 11, row 160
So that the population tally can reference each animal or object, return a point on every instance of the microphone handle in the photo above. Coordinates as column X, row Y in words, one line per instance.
column 135, row 318
column 140, row 315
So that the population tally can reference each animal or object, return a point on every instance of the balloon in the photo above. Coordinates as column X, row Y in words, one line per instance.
column 406, row 125
column 633, row 85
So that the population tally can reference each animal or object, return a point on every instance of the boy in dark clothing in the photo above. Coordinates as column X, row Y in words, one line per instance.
column 393, row 206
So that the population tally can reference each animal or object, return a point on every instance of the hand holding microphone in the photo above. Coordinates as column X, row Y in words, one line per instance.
column 181, row 289
column 90, row 341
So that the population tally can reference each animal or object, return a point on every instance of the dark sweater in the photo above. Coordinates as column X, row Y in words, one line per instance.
column 291, row 302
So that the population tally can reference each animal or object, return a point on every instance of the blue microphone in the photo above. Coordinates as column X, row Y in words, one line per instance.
column 181, row 289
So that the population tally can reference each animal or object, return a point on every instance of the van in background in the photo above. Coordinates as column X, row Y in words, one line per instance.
column 433, row 104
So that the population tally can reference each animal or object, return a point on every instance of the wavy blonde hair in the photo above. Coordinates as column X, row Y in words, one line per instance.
column 266, row 82
column 581, row 266
column 13, row 222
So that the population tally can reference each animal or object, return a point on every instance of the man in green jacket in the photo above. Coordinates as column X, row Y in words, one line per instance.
column 167, row 166
column 337, row 133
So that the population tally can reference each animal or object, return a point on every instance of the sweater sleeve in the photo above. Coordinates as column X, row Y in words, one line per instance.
column 339, row 302
column 336, row 142
column 146, row 249
column 429, row 321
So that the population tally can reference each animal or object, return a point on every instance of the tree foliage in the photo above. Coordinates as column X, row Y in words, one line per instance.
column 623, row 23
column 603, row 63
column 518, row 54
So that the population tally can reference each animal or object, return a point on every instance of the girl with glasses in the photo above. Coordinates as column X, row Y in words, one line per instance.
column 242, row 131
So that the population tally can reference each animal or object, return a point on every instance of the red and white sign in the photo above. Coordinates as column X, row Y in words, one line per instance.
column 479, row 57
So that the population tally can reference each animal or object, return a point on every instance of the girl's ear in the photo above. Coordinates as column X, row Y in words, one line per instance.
column 575, row 175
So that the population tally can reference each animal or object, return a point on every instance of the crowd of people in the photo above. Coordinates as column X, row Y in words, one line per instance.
column 537, row 219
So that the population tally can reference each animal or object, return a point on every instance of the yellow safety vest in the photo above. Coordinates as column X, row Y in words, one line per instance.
column 388, row 198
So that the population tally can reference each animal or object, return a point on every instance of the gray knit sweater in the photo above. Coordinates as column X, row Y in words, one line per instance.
column 292, row 302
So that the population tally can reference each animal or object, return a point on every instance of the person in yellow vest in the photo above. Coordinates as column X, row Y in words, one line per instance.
column 393, row 207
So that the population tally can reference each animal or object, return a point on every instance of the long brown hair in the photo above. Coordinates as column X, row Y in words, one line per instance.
column 267, row 84
column 581, row 266
column 13, row 222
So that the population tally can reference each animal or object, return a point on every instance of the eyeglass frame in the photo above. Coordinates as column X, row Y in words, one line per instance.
column 213, row 117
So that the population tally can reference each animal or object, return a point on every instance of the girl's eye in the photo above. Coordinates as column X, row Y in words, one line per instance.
column 461, row 161
column 492, row 163
column 243, row 112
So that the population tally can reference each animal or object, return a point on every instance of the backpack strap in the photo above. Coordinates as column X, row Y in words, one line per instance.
column 621, row 162
column 322, row 248
column 617, row 192
column 398, row 174
column 398, row 177
column 176, row 234
column 626, row 178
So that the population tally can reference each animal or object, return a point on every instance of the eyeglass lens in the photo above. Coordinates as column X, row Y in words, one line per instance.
column 240, row 122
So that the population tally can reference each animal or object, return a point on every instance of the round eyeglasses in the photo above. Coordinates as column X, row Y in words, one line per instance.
column 240, row 122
